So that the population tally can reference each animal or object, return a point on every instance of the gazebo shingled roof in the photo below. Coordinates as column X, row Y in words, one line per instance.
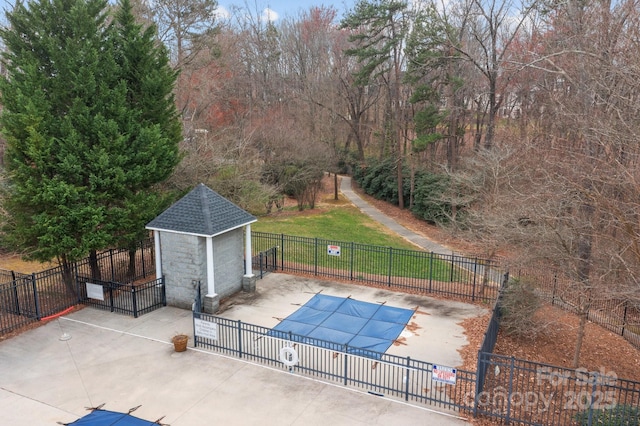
column 202, row 212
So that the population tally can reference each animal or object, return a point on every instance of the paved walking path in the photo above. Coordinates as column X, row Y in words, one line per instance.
column 377, row 215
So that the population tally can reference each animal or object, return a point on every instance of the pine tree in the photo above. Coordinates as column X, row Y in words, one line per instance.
column 86, row 136
column 152, row 123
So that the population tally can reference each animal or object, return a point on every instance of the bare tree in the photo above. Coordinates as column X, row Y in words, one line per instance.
column 483, row 32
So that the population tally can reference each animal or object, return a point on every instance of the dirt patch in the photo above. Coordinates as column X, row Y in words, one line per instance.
column 15, row 262
column 602, row 350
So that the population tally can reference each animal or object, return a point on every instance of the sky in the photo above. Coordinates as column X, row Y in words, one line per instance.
column 279, row 9
column 271, row 9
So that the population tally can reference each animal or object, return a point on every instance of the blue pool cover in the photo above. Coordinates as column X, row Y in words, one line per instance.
column 337, row 323
column 107, row 418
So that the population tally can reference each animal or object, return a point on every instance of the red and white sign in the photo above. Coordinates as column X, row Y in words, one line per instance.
column 333, row 250
column 444, row 374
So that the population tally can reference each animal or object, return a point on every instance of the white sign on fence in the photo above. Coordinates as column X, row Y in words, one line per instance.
column 444, row 374
column 94, row 291
column 333, row 250
column 206, row 329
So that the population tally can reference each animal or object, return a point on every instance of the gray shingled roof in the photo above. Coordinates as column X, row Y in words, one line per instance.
column 201, row 212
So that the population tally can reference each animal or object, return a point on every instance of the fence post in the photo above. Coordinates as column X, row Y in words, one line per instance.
column 135, row 301
column 430, row 270
column 480, row 370
column 555, row 284
column 113, row 272
column 508, row 418
column 75, row 266
column 239, row 339
column 406, row 379
column 164, row 292
column 36, row 301
column 346, row 359
column 110, row 284
column 593, row 391
column 274, row 260
column 282, row 252
column 624, row 317
column 452, row 266
column 15, row 293
column 144, row 270
column 315, row 256
column 351, row 261
column 475, row 269
column 390, row 266
column 260, row 257
column 195, row 314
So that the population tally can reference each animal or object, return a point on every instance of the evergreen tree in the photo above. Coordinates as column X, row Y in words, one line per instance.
column 86, row 136
column 152, row 125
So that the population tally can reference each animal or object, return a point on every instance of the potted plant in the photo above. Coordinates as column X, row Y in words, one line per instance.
column 180, row 342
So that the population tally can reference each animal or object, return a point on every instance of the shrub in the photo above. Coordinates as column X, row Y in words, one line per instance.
column 621, row 415
column 429, row 201
column 518, row 304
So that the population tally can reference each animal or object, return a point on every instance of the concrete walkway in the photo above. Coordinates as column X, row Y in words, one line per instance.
column 54, row 372
column 377, row 215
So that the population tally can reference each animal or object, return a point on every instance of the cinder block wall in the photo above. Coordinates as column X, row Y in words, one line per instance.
column 228, row 261
column 184, row 261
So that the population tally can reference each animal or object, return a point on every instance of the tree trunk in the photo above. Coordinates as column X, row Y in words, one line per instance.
column 131, row 272
column 579, row 338
column 94, row 266
column 68, row 276
column 584, row 248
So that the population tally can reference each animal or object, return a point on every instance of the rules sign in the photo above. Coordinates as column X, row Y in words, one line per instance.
column 444, row 374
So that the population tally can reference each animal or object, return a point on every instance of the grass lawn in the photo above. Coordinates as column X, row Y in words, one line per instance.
column 340, row 223
column 344, row 224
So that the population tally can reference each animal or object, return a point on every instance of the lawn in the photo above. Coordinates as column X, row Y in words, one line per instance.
column 341, row 223
column 366, row 246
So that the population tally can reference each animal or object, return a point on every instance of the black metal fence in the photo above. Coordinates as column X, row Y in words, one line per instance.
column 488, row 344
column 381, row 374
column 17, row 303
column 27, row 298
column 121, row 265
column 617, row 315
column 133, row 299
column 532, row 393
column 449, row 275
column 513, row 390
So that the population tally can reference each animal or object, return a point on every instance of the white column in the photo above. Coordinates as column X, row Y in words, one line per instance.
column 156, row 243
column 211, row 288
column 248, row 268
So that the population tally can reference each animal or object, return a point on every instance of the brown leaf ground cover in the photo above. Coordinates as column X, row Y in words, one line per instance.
column 602, row 349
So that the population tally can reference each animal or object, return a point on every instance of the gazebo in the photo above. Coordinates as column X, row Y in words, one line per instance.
column 199, row 241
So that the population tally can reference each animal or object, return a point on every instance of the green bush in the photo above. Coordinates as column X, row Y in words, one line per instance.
column 429, row 198
column 518, row 304
column 379, row 179
column 621, row 415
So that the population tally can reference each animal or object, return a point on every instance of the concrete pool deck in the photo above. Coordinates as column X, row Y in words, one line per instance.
column 433, row 334
column 53, row 372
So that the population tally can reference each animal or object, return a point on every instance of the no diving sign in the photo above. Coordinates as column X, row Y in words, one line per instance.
column 333, row 250
column 444, row 374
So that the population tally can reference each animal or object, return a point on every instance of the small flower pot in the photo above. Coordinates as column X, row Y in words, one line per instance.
column 180, row 342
